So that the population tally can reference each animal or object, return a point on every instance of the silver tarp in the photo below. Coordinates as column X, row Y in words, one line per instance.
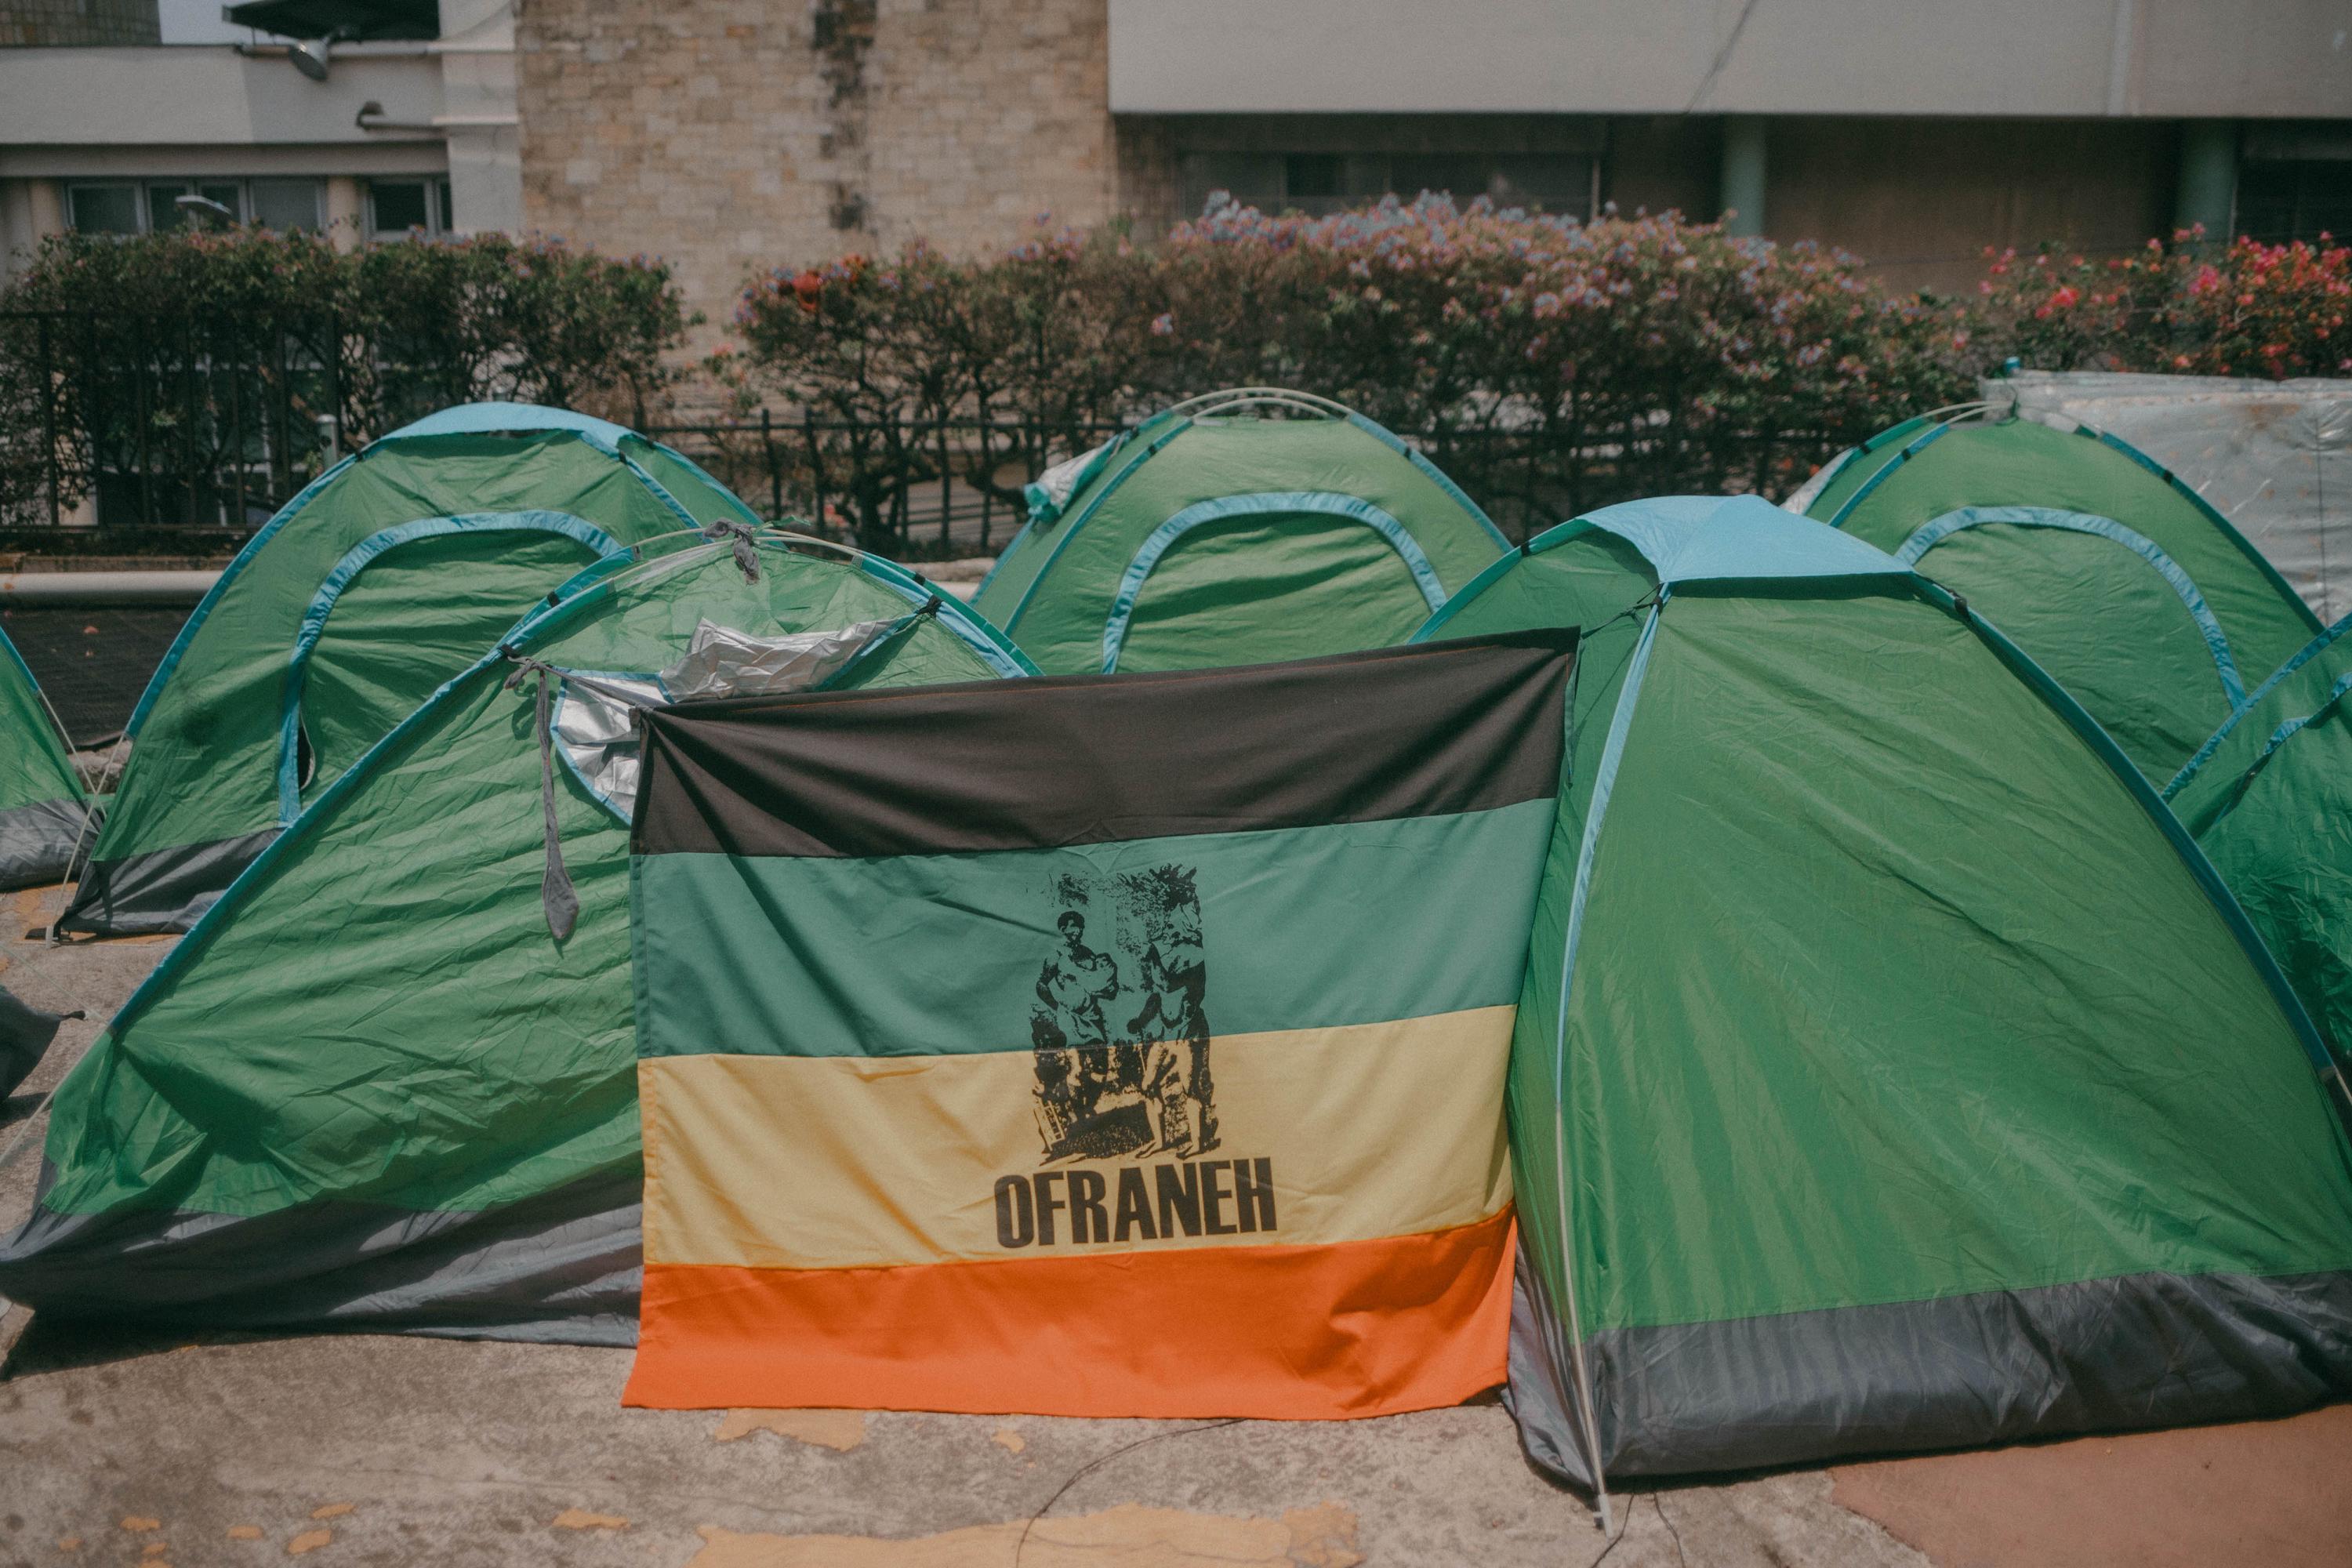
column 2273, row 456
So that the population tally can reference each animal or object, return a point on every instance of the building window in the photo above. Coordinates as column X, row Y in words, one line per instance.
column 286, row 204
column 2297, row 199
column 104, row 209
column 186, row 204
column 398, row 208
column 1320, row 183
column 150, row 206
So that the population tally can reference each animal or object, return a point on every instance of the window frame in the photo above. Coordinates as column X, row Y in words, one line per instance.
column 437, row 208
column 142, row 188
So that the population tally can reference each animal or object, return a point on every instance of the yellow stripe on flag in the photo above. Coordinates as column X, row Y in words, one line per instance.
column 1323, row 1136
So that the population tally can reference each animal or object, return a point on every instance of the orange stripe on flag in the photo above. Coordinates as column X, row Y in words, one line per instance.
column 1306, row 1333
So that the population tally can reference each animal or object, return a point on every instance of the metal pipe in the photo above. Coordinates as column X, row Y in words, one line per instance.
column 103, row 588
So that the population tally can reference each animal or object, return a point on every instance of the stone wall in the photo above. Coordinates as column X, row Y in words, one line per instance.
column 729, row 135
column 79, row 21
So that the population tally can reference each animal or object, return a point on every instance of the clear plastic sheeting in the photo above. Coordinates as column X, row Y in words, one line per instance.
column 723, row 662
column 2273, row 456
column 595, row 724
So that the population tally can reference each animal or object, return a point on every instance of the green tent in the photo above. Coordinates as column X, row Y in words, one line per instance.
column 2139, row 598
column 42, row 804
column 2269, row 800
column 371, row 1087
column 1239, row 528
column 368, row 590
column 1890, row 1071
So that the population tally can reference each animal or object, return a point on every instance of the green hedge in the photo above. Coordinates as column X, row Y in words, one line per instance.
column 191, row 362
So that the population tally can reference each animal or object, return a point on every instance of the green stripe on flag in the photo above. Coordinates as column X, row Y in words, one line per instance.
column 934, row 954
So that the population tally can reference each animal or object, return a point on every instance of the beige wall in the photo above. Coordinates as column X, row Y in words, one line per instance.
column 2219, row 59
column 1921, row 198
column 734, row 135
column 729, row 134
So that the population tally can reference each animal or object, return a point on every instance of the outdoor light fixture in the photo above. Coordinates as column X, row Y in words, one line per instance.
column 310, row 57
column 192, row 203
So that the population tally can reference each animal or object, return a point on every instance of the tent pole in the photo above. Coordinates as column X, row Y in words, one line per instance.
column 1578, row 1369
column 1605, row 779
column 75, row 864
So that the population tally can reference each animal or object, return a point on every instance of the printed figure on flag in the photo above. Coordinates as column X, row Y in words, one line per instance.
column 1121, row 1035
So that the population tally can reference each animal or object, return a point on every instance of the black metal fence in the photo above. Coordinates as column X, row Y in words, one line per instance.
column 131, row 423
column 925, row 489
column 122, row 433
column 940, row 488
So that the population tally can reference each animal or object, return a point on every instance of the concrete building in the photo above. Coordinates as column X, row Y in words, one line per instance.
column 734, row 134
column 408, row 126
column 729, row 135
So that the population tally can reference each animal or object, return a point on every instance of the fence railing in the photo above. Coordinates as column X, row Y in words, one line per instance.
column 127, row 422
column 121, row 432
column 923, row 488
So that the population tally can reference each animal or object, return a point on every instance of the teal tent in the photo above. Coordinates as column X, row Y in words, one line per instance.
column 1890, row 1071
column 42, row 802
column 2269, row 797
column 1239, row 528
column 368, row 590
column 390, row 1080
column 2136, row 595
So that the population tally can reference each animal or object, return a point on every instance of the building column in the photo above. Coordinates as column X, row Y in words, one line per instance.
column 2209, row 177
column 346, row 213
column 30, row 211
column 47, row 202
column 1742, row 185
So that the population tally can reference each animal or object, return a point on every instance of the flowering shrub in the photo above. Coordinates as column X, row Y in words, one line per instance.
column 2245, row 310
column 1551, row 365
column 191, row 354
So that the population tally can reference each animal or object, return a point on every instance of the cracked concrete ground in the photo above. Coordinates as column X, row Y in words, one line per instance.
column 161, row 1450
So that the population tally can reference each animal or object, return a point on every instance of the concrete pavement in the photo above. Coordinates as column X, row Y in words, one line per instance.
column 161, row 1450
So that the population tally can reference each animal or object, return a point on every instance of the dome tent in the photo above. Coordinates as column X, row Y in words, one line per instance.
column 371, row 1088
column 364, row 592
column 1239, row 528
column 2269, row 800
column 1833, row 1113
column 42, row 802
column 2138, row 598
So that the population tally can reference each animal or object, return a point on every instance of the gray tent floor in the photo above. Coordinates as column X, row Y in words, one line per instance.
column 236, row 1449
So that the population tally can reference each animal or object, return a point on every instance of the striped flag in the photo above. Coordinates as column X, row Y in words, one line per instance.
column 1093, row 1045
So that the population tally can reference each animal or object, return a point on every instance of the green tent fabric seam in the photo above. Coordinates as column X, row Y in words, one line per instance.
column 1430, row 471
column 16, row 661
column 1886, row 469
column 2286, row 730
column 1604, row 781
column 1156, row 545
column 1935, row 531
column 2229, row 530
column 2309, row 651
column 2245, row 546
column 599, row 582
column 357, row 560
column 2307, row 1033
column 991, row 642
column 1420, row 464
column 303, row 497
column 1084, row 515
column 229, row 574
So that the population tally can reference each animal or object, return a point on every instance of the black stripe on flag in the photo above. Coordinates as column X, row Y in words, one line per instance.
column 1426, row 729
